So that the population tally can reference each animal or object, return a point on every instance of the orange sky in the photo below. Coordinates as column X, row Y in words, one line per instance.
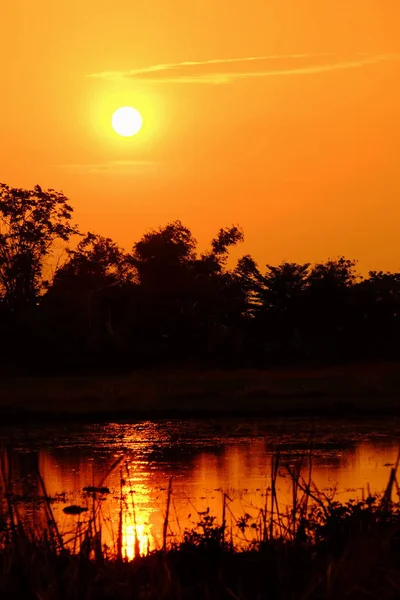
column 298, row 145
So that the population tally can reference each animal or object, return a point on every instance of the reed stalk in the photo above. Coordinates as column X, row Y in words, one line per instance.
column 166, row 520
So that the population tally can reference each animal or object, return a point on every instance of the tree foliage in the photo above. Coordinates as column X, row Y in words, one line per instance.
column 97, row 262
column 31, row 221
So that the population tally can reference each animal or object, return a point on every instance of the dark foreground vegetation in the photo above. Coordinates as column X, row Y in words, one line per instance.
column 78, row 303
column 318, row 549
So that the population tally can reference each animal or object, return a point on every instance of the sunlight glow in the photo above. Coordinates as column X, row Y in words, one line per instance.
column 136, row 539
column 126, row 121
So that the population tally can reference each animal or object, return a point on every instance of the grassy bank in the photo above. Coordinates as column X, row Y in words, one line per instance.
column 363, row 570
column 360, row 389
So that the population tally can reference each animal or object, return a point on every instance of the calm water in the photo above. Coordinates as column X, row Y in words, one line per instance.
column 204, row 459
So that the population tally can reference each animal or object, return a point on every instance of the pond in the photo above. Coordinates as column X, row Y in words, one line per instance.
column 214, row 467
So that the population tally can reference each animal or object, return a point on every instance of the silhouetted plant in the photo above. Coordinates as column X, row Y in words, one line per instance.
column 31, row 222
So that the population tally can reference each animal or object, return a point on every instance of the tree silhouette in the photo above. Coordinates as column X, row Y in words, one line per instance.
column 279, row 298
column 162, row 255
column 96, row 263
column 375, row 328
column 251, row 282
column 220, row 301
column 163, row 259
column 226, row 237
column 186, row 301
column 335, row 274
column 31, row 222
column 284, row 286
column 164, row 302
column 330, row 306
column 91, row 298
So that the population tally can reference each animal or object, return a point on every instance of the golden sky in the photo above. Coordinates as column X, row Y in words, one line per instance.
column 278, row 115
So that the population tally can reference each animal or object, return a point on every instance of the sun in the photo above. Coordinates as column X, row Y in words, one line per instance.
column 126, row 121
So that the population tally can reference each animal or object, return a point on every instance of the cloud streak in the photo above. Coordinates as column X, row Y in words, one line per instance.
column 224, row 71
column 113, row 167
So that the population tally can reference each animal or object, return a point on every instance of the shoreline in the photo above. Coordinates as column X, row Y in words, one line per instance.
column 338, row 410
column 334, row 392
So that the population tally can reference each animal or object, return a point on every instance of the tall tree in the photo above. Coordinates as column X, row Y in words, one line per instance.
column 376, row 320
column 92, row 290
column 163, row 256
column 334, row 275
column 250, row 280
column 163, row 259
column 330, row 306
column 280, row 309
column 31, row 221
column 96, row 263
column 284, row 285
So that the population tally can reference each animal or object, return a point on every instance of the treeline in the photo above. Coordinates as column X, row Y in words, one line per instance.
column 164, row 303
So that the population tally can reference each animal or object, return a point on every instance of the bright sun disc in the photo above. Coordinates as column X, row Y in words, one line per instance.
column 126, row 121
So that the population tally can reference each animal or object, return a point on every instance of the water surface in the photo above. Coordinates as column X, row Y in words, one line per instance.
column 204, row 459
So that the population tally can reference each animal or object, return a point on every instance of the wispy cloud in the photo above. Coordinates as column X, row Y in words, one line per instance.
column 223, row 71
column 136, row 167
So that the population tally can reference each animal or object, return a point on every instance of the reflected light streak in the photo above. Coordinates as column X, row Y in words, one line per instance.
column 135, row 539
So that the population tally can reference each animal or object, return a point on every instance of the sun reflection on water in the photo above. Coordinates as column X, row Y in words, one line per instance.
column 135, row 539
